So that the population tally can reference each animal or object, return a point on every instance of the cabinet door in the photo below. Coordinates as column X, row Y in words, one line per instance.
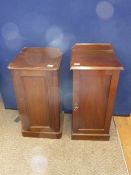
column 93, row 99
column 37, row 99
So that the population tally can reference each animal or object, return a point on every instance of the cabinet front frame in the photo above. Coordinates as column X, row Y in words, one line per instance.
column 110, row 101
column 53, row 99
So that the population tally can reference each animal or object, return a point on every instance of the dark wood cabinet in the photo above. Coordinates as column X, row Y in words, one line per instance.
column 35, row 73
column 95, row 77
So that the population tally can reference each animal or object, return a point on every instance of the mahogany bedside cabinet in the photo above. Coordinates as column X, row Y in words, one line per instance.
column 95, row 77
column 35, row 73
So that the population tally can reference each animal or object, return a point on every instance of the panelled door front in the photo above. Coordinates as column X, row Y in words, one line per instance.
column 37, row 96
column 90, row 100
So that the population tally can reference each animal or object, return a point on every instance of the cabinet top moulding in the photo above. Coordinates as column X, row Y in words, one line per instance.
column 94, row 56
column 34, row 58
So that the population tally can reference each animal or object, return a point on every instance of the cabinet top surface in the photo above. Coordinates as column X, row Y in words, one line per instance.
column 95, row 56
column 37, row 59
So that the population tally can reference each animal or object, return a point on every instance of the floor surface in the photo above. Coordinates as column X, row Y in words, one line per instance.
column 123, row 125
column 38, row 156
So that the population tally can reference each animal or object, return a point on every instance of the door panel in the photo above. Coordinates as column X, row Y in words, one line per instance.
column 38, row 100
column 92, row 93
column 36, row 96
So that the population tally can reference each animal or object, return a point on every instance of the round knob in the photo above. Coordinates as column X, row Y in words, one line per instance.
column 76, row 107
